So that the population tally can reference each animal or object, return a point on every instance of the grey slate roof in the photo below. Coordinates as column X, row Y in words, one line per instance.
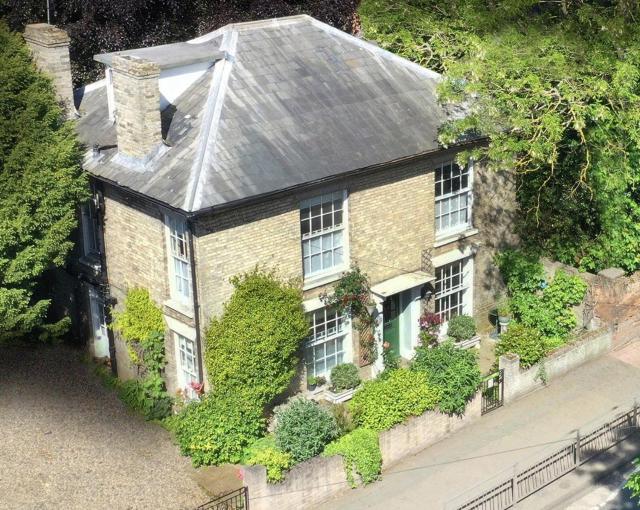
column 295, row 102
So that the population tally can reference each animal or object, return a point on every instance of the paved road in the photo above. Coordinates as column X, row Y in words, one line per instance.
column 511, row 434
column 68, row 442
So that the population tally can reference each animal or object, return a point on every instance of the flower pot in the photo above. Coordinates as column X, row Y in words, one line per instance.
column 503, row 323
column 337, row 398
column 469, row 343
column 311, row 387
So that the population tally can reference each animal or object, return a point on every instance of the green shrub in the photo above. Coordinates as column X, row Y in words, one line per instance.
column 303, row 428
column 219, row 428
column 343, row 417
column 454, row 371
column 521, row 272
column 252, row 346
column 146, row 396
column 461, row 327
column 382, row 403
column 276, row 461
column 344, row 377
column 360, row 451
column 526, row 342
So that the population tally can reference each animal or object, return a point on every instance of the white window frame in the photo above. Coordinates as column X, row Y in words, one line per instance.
column 311, row 342
column 343, row 228
column 90, row 230
column 185, row 296
column 185, row 375
column 465, row 288
column 449, row 197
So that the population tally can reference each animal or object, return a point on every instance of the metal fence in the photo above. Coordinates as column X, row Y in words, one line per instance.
column 505, row 490
column 235, row 500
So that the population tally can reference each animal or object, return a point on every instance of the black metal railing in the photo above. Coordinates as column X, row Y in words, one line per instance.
column 235, row 500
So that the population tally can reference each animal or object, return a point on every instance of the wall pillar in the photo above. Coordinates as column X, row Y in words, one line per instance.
column 510, row 363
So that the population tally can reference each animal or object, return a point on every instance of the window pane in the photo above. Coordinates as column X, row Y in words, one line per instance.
column 316, row 263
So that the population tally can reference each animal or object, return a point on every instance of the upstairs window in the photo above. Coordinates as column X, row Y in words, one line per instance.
column 453, row 199
column 179, row 263
column 322, row 221
column 90, row 241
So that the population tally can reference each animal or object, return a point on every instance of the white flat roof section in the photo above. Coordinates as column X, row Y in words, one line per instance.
column 400, row 283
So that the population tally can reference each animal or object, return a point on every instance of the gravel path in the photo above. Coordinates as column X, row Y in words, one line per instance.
column 67, row 442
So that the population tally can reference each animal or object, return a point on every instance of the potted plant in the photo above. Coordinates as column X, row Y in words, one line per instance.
column 312, row 382
column 462, row 328
column 430, row 324
column 345, row 379
column 504, row 315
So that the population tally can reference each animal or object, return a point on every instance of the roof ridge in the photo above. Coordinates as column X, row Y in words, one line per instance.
column 250, row 25
column 211, row 118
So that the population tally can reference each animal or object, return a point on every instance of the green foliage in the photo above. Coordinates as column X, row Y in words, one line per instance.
column 344, row 376
column 521, row 272
column 252, row 347
column 41, row 186
column 343, row 417
column 218, row 428
column 390, row 359
column 361, row 452
column 382, row 403
column 141, row 326
column 454, row 371
column 556, row 88
column 633, row 483
column 461, row 327
column 275, row 460
column 524, row 341
column 303, row 428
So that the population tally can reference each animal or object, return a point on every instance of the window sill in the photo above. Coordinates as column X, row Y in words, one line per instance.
column 454, row 236
column 322, row 279
column 181, row 308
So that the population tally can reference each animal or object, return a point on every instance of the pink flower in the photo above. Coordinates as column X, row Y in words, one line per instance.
column 197, row 387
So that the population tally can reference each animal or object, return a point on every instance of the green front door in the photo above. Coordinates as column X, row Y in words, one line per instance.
column 391, row 329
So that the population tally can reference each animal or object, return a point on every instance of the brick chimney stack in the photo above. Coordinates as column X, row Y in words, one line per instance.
column 137, row 107
column 50, row 48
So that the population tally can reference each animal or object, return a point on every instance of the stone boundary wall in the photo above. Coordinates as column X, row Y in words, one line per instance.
column 519, row 382
column 320, row 478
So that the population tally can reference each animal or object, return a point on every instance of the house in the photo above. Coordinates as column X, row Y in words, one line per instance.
column 282, row 142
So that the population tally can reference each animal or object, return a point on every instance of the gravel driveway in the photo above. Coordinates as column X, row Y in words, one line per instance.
column 68, row 442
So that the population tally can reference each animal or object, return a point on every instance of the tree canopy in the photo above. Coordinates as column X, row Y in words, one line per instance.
column 556, row 87
column 40, row 186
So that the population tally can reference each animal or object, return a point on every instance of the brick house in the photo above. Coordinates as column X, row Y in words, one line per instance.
column 286, row 143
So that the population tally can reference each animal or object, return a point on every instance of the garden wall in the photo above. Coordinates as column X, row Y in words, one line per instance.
column 519, row 382
column 320, row 478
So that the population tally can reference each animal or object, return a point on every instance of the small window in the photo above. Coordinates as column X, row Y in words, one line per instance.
column 179, row 264
column 326, row 343
column 453, row 288
column 187, row 365
column 453, row 198
column 90, row 243
column 323, row 236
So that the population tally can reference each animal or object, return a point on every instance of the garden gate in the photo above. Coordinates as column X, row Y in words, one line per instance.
column 493, row 391
column 235, row 500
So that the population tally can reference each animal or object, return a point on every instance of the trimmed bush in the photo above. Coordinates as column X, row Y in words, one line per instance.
column 454, row 371
column 219, row 428
column 461, row 327
column 252, row 347
column 361, row 451
column 303, row 429
column 344, row 377
column 382, row 403
column 526, row 342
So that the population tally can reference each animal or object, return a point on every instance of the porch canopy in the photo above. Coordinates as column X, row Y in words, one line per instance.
column 400, row 283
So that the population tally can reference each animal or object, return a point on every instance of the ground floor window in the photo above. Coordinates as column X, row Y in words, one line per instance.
column 453, row 288
column 327, row 342
column 187, row 364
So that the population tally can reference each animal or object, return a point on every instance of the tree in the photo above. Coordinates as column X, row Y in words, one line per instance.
column 41, row 185
column 556, row 88
column 98, row 27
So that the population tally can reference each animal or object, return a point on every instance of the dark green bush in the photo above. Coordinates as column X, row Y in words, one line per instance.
column 344, row 377
column 360, row 451
column 219, row 428
column 252, row 347
column 303, row 428
column 521, row 272
column 454, row 371
column 461, row 327
column 382, row 403
column 526, row 342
